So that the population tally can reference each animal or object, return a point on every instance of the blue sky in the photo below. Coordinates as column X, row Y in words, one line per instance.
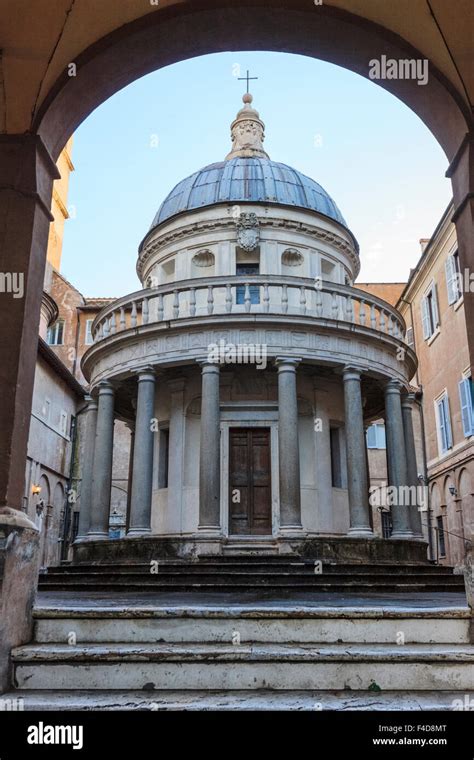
column 372, row 154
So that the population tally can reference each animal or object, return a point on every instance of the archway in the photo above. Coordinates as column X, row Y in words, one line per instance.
column 165, row 36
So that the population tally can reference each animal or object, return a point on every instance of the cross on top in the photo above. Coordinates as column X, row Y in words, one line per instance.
column 247, row 78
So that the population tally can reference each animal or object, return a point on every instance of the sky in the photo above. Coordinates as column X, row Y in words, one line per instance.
column 370, row 152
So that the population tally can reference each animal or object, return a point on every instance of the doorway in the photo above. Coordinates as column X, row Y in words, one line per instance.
column 250, row 488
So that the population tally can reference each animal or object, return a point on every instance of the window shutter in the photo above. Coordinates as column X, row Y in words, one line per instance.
column 409, row 337
column 466, row 406
column 434, row 301
column 447, row 421
column 442, row 425
column 425, row 318
column 451, row 279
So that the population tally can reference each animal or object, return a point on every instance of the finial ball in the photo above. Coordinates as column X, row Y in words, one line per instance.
column 247, row 98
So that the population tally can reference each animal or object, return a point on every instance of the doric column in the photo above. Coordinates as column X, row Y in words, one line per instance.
column 102, row 468
column 288, row 445
column 131, row 427
column 397, row 461
column 412, row 469
column 357, row 475
column 90, row 424
column 142, row 477
column 210, row 448
column 176, row 453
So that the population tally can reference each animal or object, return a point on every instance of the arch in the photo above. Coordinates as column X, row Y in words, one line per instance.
column 45, row 495
column 58, row 497
column 162, row 37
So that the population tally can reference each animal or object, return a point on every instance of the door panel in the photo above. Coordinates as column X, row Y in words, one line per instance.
column 250, row 481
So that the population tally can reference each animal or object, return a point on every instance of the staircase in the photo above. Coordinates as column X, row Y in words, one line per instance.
column 148, row 654
column 252, row 573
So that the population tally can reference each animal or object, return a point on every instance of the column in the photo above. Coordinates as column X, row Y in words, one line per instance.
column 357, row 474
column 288, row 445
column 142, row 477
column 397, row 461
column 176, row 454
column 131, row 427
column 210, row 450
column 412, row 468
column 102, row 469
column 90, row 424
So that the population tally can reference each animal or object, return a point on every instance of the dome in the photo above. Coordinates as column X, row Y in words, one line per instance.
column 252, row 179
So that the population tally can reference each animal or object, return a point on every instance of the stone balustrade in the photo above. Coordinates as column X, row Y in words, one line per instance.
column 250, row 294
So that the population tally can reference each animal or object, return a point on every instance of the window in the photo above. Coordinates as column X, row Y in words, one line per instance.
column 89, row 339
column 444, row 424
column 336, row 458
column 466, row 396
column 441, row 537
column 453, row 279
column 243, row 269
column 387, row 525
column 55, row 334
column 430, row 312
column 376, row 436
column 163, row 457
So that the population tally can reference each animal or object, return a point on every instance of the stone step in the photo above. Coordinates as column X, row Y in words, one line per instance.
column 290, row 624
column 159, row 583
column 258, row 700
column 255, row 666
column 177, row 566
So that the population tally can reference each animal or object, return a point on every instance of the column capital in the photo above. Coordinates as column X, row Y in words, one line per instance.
column 208, row 367
column 91, row 403
column 287, row 363
column 146, row 374
column 394, row 386
column 408, row 400
column 105, row 388
column 352, row 372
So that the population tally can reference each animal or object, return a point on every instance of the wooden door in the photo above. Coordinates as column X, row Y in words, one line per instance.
column 250, row 499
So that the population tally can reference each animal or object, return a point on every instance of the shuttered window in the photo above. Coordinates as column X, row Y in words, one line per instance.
column 467, row 411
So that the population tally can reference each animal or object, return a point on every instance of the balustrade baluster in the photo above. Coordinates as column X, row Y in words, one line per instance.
column 145, row 313
column 266, row 297
column 113, row 324
column 192, row 302
column 284, row 298
column 134, row 314
column 303, row 299
column 161, row 307
column 349, row 309
column 228, row 298
column 123, row 323
column 373, row 317
column 382, row 321
column 390, row 325
column 210, row 299
column 175, row 304
column 334, row 306
column 319, row 302
column 362, row 312
column 106, row 327
column 247, row 299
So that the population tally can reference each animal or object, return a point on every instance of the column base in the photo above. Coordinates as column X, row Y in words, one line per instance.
column 292, row 531
column 94, row 535
column 360, row 532
column 402, row 535
column 132, row 532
